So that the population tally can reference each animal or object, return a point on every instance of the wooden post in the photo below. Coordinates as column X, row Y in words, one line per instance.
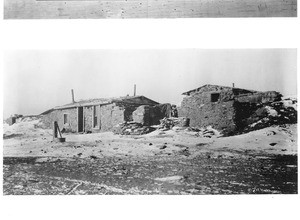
column 54, row 129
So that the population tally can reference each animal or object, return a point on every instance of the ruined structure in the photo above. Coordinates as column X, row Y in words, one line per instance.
column 224, row 108
column 151, row 115
column 13, row 119
column 97, row 115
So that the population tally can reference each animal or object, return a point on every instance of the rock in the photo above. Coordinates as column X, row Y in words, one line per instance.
column 170, row 179
column 185, row 152
column 271, row 133
column 168, row 123
column 163, row 147
column 132, row 128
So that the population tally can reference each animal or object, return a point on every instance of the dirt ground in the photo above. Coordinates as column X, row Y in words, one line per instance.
column 31, row 9
column 177, row 161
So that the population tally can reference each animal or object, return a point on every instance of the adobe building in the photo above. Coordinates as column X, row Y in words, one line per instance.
column 224, row 108
column 97, row 115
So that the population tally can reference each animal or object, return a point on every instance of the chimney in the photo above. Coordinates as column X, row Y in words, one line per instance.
column 134, row 92
column 72, row 91
column 233, row 85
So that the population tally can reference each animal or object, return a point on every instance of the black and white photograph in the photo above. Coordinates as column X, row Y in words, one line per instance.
column 95, row 9
column 150, row 122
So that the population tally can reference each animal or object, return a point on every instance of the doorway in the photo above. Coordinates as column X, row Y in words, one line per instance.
column 80, row 119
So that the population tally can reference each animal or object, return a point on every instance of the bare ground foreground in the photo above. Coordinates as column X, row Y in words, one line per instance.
column 31, row 9
column 176, row 161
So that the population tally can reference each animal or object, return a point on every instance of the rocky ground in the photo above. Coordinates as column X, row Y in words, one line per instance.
column 176, row 161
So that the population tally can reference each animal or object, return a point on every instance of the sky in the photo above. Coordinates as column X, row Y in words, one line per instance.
column 37, row 80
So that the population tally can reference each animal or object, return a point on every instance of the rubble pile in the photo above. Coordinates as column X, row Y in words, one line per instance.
column 275, row 113
column 207, row 132
column 132, row 128
column 168, row 123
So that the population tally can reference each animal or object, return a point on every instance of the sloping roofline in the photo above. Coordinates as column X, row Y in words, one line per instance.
column 99, row 101
column 195, row 90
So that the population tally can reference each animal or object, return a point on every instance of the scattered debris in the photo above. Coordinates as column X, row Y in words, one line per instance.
column 75, row 147
column 168, row 123
column 170, row 179
column 163, row 147
column 275, row 113
column 185, row 152
column 132, row 128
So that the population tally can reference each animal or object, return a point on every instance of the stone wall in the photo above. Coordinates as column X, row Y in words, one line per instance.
column 11, row 120
column 142, row 115
column 219, row 115
column 159, row 112
column 111, row 115
column 203, row 95
column 260, row 97
column 229, row 112
column 151, row 115
column 202, row 112
column 108, row 115
column 88, row 118
column 128, row 111
column 243, row 110
column 58, row 115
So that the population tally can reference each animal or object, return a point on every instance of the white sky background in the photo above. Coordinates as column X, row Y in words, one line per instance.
column 37, row 80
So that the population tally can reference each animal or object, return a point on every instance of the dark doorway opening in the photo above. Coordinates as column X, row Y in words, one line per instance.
column 80, row 119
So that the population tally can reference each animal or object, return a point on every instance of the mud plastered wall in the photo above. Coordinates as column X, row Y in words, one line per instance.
column 151, row 115
column 111, row 115
column 88, row 118
column 260, row 97
column 58, row 115
column 142, row 115
column 202, row 112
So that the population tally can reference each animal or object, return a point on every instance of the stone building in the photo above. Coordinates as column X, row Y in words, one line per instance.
column 224, row 108
column 95, row 115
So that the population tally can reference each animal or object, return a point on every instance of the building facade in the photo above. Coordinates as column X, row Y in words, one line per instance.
column 224, row 108
column 95, row 115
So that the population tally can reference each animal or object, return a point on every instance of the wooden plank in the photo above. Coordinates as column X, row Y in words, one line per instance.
column 33, row 9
